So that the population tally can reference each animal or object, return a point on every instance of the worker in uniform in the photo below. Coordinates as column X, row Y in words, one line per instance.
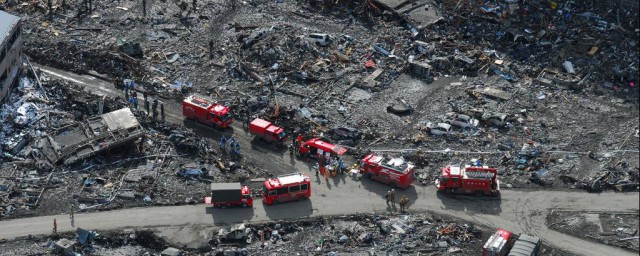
column 55, row 226
column 71, row 209
column 155, row 108
column 146, row 105
column 223, row 141
column 392, row 197
column 387, row 196
column 403, row 203
column 299, row 140
column 162, row 110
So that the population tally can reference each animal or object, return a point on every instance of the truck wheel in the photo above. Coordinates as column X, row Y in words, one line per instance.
column 367, row 175
column 479, row 193
column 244, row 205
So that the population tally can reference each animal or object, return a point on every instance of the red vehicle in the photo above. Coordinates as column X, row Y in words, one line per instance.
column 316, row 147
column 266, row 131
column 395, row 171
column 296, row 186
column 498, row 244
column 479, row 180
column 229, row 194
column 206, row 111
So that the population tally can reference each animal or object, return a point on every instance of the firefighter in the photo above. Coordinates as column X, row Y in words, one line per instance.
column 162, row 110
column 155, row 108
column 299, row 142
column 71, row 209
column 392, row 197
column 223, row 141
column 403, row 203
column 210, row 48
column 388, row 197
column 146, row 105
column 55, row 226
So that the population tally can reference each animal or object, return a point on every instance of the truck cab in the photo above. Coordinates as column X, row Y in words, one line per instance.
column 220, row 116
column 394, row 171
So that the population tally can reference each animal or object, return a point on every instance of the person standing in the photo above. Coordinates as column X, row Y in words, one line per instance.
column 154, row 106
column 71, row 209
column 392, row 197
column 223, row 141
column 388, row 197
column 403, row 203
column 162, row 110
column 55, row 226
column 146, row 105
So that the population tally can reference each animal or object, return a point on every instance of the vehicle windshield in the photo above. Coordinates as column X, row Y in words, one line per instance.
column 282, row 134
column 225, row 117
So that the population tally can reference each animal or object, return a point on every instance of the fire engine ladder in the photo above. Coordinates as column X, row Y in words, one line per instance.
column 479, row 175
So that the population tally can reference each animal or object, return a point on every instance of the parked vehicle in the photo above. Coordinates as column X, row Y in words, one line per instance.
column 319, row 39
column 494, row 119
column 396, row 171
column 439, row 128
column 504, row 243
column 479, row 180
column 460, row 120
column 498, row 244
column 206, row 111
column 526, row 245
column 229, row 194
column 254, row 38
column 296, row 186
column 266, row 131
column 316, row 147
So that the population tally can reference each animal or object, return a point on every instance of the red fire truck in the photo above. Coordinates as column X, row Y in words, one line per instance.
column 266, row 131
column 296, row 186
column 206, row 111
column 479, row 180
column 395, row 171
column 316, row 147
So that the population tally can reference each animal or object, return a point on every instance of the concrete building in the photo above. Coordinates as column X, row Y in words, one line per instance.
column 10, row 52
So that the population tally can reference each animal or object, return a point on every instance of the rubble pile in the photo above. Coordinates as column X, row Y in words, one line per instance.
column 545, row 92
column 396, row 235
column 612, row 228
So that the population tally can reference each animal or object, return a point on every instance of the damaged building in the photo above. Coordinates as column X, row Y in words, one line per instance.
column 10, row 52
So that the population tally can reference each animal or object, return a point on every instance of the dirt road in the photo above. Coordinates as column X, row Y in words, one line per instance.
column 516, row 211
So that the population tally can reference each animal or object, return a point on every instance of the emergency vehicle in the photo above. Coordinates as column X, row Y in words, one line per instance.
column 206, row 111
column 229, row 194
column 291, row 187
column 316, row 147
column 479, row 180
column 266, row 131
column 395, row 171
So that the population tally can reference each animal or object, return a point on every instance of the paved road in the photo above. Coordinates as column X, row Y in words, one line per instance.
column 516, row 211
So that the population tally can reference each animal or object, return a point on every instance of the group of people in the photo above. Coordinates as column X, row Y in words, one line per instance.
column 151, row 108
column 391, row 199
column 330, row 166
column 234, row 145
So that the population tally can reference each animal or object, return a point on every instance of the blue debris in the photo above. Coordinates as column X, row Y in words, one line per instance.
column 85, row 236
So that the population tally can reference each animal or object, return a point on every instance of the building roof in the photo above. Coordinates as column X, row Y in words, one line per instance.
column 7, row 22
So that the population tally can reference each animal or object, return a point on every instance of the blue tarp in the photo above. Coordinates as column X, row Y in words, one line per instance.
column 85, row 236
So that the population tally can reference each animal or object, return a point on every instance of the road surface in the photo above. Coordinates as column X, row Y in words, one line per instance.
column 517, row 211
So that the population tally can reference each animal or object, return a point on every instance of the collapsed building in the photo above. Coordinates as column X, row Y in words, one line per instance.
column 10, row 52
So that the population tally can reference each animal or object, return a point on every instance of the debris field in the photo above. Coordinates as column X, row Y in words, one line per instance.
column 549, row 95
